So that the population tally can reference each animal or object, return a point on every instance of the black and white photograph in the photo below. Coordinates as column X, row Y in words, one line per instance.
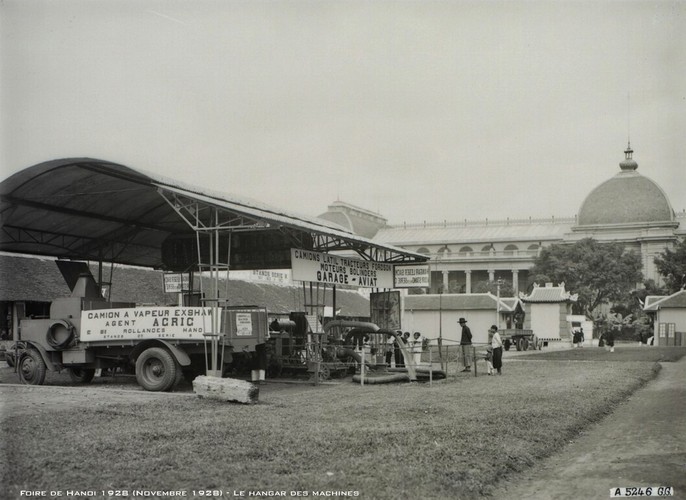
column 379, row 250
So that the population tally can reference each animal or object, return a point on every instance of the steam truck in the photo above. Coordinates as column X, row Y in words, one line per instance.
column 162, row 344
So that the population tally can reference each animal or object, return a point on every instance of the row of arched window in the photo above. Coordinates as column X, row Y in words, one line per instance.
column 467, row 250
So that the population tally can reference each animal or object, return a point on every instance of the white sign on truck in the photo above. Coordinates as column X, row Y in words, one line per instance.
column 320, row 267
column 177, row 323
column 176, row 282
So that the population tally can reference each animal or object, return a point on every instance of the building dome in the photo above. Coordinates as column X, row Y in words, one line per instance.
column 354, row 219
column 626, row 198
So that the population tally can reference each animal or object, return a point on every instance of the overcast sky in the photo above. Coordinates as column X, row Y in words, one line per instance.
column 418, row 110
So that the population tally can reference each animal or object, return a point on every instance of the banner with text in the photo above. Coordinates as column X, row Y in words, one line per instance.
column 415, row 276
column 320, row 267
column 146, row 323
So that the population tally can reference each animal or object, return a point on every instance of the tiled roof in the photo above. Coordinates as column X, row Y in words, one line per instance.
column 655, row 302
column 358, row 220
column 474, row 233
column 457, row 302
column 548, row 294
column 24, row 278
column 651, row 300
column 510, row 303
column 279, row 299
column 30, row 279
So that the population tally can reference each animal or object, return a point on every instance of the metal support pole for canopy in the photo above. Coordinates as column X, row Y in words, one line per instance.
column 100, row 270
column 333, row 300
column 215, row 368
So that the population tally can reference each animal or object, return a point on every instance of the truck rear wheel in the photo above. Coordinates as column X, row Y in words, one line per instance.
column 523, row 344
column 156, row 370
column 31, row 368
column 81, row 375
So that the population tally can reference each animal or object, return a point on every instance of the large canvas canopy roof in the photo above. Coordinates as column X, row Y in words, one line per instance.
column 89, row 209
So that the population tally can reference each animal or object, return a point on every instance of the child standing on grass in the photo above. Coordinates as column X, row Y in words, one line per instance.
column 489, row 360
column 489, row 353
column 417, row 346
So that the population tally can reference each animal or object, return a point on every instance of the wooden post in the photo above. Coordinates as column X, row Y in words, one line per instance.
column 431, row 372
column 362, row 367
column 474, row 358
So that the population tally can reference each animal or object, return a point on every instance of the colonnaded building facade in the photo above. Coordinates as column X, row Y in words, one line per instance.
column 628, row 208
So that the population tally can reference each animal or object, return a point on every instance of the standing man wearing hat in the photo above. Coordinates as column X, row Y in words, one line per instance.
column 466, row 345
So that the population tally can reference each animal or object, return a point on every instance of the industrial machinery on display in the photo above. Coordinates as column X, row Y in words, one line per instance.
column 296, row 349
column 84, row 333
column 344, row 347
column 85, row 209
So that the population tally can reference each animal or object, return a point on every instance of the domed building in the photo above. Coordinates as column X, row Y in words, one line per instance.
column 358, row 220
column 628, row 207
column 632, row 209
column 626, row 198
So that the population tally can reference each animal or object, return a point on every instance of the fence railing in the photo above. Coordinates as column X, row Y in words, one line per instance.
column 454, row 358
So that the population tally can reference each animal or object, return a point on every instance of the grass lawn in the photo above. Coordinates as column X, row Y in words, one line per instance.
column 453, row 439
column 623, row 352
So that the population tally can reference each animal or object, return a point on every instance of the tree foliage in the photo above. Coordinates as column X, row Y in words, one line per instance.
column 600, row 273
column 671, row 264
column 506, row 288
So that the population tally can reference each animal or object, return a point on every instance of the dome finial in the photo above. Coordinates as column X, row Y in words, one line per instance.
column 628, row 164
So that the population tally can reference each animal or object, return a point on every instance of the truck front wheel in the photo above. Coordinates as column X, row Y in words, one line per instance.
column 156, row 369
column 31, row 368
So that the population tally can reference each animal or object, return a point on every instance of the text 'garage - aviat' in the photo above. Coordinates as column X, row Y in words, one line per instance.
column 333, row 269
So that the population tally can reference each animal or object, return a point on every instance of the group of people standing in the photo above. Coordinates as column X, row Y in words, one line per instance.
column 494, row 352
column 394, row 353
column 607, row 339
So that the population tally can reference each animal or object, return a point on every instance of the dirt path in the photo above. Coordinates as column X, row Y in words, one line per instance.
column 27, row 400
column 60, row 393
column 642, row 443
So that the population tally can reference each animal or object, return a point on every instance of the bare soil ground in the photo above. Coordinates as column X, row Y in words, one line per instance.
column 59, row 392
